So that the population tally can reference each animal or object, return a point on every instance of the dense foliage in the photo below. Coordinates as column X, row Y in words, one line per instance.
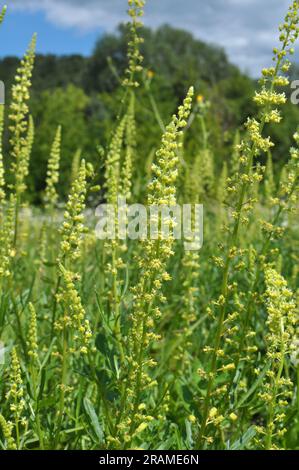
column 89, row 88
column 147, row 344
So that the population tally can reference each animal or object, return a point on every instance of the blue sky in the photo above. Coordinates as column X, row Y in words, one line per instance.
column 247, row 29
column 19, row 26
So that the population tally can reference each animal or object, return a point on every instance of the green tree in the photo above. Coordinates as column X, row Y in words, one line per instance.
column 62, row 106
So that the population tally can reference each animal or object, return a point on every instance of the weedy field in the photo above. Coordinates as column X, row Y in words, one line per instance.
column 142, row 344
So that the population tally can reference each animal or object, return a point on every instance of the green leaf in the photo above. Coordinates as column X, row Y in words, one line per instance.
column 244, row 440
column 93, row 419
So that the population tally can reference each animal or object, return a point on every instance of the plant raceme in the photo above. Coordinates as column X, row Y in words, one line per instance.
column 121, row 328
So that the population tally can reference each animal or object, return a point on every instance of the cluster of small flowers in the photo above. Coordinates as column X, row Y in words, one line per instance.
column 6, row 216
column 15, row 394
column 247, row 180
column 52, row 179
column 73, row 227
column 113, row 163
column 282, row 321
column 20, row 143
column 7, row 428
column 7, row 251
column 23, row 163
column 124, row 436
column 267, row 99
column 73, row 318
column 135, row 58
column 260, row 144
column 286, row 199
column 130, row 143
column 32, row 334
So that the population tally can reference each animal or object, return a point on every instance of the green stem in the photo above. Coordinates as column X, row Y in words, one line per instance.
column 37, row 416
column 116, row 304
column 254, row 286
column 225, row 279
column 17, row 210
column 62, row 386
column 155, row 107
column 271, row 413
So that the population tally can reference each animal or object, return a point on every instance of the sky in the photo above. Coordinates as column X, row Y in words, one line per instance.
column 247, row 29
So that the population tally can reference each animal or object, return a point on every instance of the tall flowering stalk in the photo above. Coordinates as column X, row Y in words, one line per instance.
column 113, row 164
column 72, row 229
column 189, row 310
column 6, row 222
column 204, row 163
column 76, row 165
column 135, row 58
column 134, row 68
column 6, row 241
column 5, row 235
column 34, row 369
column 21, row 130
column 51, row 195
column 190, row 272
column 152, row 264
column 221, row 195
column 130, row 143
column 119, row 167
column 118, row 183
column 15, row 395
column 113, row 246
column 24, row 166
column 72, row 327
column 284, row 202
column 2, row 180
column 32, row 335
column 268, row 99
column 74, row 332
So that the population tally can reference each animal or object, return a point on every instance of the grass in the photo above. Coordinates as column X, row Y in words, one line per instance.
column 141, row 344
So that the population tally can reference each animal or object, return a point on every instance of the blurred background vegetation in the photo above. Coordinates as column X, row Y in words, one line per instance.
column 79, row 94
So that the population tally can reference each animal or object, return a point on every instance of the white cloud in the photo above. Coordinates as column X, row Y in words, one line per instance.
column 246, row 28
column 84, row 16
